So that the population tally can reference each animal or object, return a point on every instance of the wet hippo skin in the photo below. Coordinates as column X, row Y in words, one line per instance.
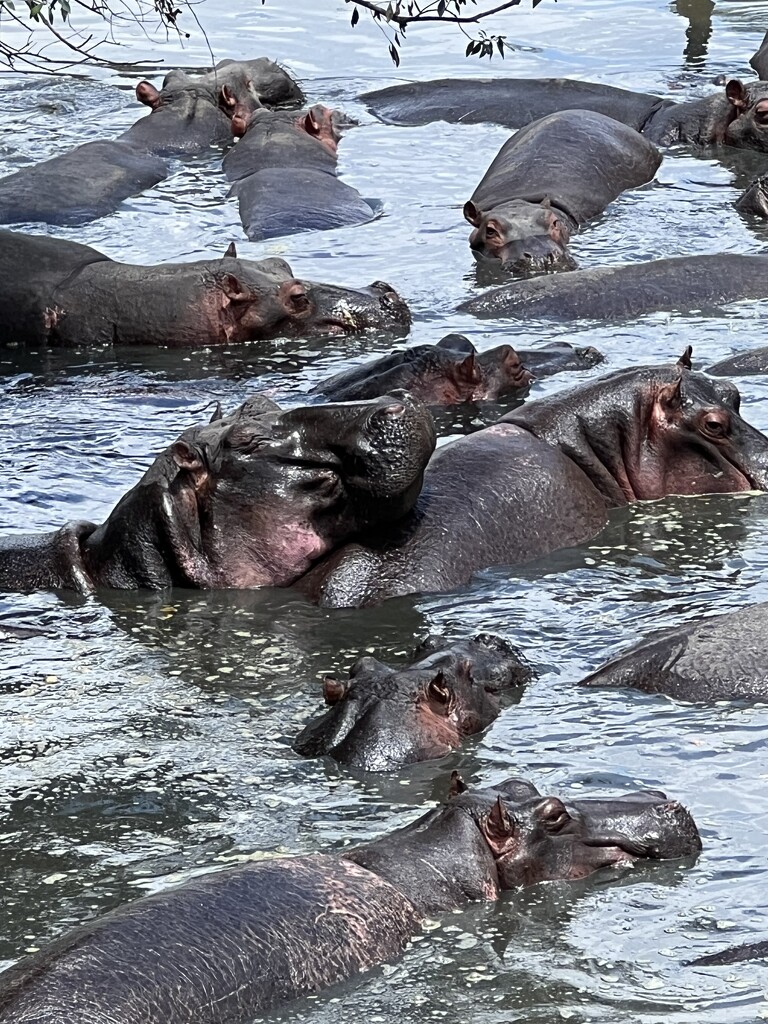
column 226, row 947
column 545, row 476
column 187, row 117
column 248, row 500
column 383, row 717
column 624, row 292
column 737, row 116
column 720, row 657
column 59, row 293
column 548, row 180
column 755, row 361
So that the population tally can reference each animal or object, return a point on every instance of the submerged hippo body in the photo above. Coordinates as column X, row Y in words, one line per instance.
column 284, row 174
column 548, row 180
column 743, row 363
column 228, row 946
column 59, row 293
column 249, row 500
column 737, row 117
column 715, row 658
column 453, row 371
column 624, row 292
column 187, row 117
column 382, row 718
column 544, row 478
column 760, row 60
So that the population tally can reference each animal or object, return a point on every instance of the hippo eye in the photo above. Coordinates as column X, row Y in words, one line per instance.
column 714, row 427
column 552, row 814
column 491, row 231
column 761, row 115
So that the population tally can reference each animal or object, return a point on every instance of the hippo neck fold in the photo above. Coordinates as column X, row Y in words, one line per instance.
column 439, row 863
column 599, row 437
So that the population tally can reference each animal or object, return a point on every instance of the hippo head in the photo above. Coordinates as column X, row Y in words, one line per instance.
column 320, row 123
column 265, row 80
column 247, row 301
column 254, row 498
column 650, row 431
column 748, row 128
column 382, row 718
column 483, row 841
column 538, row 839
column 755, row 198
column 526, row 237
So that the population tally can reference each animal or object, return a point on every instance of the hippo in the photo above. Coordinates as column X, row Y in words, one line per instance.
column 284, row 174
column 382, row 718
column 248, row 500
column 754, row 199
column 550, row 179
column 718, row 657
column 733, row 955
column 754, row 361
column 545, row 476
column 230, row 945
column 737, row 117
column 760, row 60
column 453, row 371
column 60, row 293
column 632, row 290
column 188, row 116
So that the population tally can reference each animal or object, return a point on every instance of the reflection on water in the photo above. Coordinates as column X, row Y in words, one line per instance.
column 144, row 737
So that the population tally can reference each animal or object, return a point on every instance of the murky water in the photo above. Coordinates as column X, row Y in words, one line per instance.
column 144, row 737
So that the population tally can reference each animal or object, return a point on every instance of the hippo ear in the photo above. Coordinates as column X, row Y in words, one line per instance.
column 471, row 213
column 684, row 362
column 670, row 397
column 439, row 692
column 233, row 290
column 190, row 460
column 231, row 252
column 457, row 343
column 147, row 94
column 736, row 93
column 217, row 413
column 227, row 97
column 333, row 690
column 456, row 786
column 312, row 122
column 469, row 370
column 499, row 828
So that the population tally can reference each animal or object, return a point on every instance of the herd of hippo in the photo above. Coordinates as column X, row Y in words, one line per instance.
column 347, row 500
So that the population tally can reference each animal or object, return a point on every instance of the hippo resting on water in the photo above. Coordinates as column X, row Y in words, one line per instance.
column 187, row 117
column 248, row 500
column 383, row 718
column 55, row 292
column 720, row 657
column 548, row 180
column 545, row 476
column 453, row 371
column 228, row 946
column 736, row 117
column 623, row 292
column 284, row 173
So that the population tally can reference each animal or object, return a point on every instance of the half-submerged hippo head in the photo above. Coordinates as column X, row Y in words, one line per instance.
column 484, row 841
column 381, row 718
column 526, row 238
column 652, row 431
column 748, row 128
column 754, row 199
column 320, row 123
column 257, row 300
column 252, row 499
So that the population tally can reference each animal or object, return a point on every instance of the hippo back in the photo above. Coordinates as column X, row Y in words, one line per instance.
column 578, row 159
column 220, row 949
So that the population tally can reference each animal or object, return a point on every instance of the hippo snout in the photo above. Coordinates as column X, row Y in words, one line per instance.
column 539, row 254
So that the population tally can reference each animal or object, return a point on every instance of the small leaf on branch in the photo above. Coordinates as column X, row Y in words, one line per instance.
column 394, row 55
column 355, row 17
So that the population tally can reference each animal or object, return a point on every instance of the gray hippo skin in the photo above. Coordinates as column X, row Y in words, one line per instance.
column 453, row 371
column 548, row 180
column 737, row 117
column 544, row 477
column 743, row 363
column 187, row 117
column 760, row 60
column 226, row 947
column 59, row 293
column 249, row 500
column 734, row 955
column 754, row 199
column 624, row 292
column 382, row 718
column 716, row 658
column 285, row 175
